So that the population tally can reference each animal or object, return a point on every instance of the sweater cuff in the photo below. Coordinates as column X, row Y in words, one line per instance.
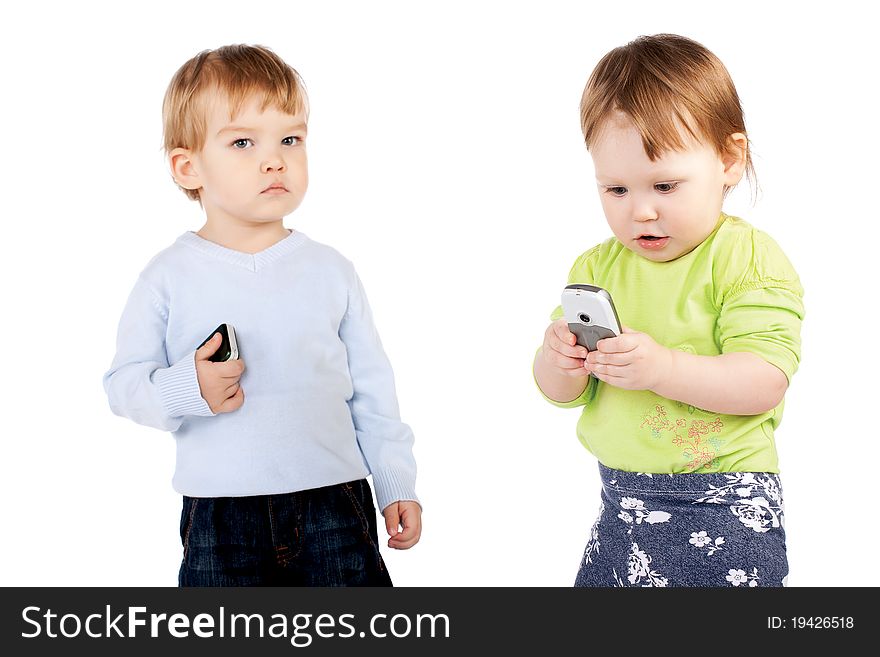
column 179, row 390
column 394, row 485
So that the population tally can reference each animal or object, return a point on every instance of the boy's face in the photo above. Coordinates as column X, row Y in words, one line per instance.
column 244, row 157
column 676, row 198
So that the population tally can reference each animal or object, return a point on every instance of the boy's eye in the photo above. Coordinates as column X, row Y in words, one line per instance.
column 665, row 188
column 241, row 144
column 616, row 191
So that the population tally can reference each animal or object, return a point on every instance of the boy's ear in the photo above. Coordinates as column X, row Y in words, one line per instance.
column 734, row 158
column 183, row 168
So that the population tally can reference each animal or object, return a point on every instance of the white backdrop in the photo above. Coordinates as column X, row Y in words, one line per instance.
column 446, row 161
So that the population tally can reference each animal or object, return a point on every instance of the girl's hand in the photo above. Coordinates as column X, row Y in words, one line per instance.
column 632, row 360
column 561, row 352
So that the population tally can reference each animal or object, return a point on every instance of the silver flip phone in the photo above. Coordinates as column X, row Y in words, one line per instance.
column 590, row 314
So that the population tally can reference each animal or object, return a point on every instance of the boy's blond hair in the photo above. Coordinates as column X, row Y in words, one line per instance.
column 236, row 71
column 662, row 82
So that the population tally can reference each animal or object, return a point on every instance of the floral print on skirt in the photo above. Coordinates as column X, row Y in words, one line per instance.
column 716, row 529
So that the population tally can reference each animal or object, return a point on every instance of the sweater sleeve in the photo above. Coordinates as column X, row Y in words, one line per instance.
column 140, row 384
column 385, row 441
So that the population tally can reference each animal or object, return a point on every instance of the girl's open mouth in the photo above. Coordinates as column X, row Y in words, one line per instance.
column 652, row 241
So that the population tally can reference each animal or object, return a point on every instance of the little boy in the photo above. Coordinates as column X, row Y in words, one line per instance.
column 272, row 457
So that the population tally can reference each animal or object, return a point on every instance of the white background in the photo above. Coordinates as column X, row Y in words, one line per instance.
column 447, row 163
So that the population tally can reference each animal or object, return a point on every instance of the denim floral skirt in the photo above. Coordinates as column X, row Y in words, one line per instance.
column 717, row 529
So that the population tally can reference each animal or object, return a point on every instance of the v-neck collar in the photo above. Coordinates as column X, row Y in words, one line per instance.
column 251, row 261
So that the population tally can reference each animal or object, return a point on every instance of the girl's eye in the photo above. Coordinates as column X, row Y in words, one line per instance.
column 293, row 140
column 240, row 144
column 665, row 188
column 616, row 191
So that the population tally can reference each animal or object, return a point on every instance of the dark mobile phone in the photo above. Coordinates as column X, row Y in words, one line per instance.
column 228, row 346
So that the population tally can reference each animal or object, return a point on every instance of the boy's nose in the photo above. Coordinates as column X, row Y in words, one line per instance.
column 274, row 164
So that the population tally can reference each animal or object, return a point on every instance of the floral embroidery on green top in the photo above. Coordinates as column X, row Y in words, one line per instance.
column 695, row 446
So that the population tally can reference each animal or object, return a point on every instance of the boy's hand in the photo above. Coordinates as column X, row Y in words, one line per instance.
column 561, row 350
column 219, row 382
column 632, row 360
column 407, row 514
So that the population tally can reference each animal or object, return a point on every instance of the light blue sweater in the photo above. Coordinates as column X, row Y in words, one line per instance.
column 320, row 406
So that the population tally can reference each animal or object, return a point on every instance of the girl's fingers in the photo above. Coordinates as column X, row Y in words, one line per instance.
column 566, row 363
column 572, row 351
column 598, row 358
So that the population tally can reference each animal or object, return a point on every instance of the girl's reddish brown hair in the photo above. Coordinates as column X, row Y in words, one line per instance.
column 665, row 83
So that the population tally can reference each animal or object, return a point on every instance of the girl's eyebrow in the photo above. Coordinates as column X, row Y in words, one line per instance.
column 662, row 176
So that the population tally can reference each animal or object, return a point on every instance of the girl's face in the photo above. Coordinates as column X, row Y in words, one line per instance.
column 665, row 208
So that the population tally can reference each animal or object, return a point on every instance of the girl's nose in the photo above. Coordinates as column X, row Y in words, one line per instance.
column 645, row 211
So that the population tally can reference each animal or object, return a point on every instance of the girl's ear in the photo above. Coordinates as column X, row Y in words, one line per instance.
column 182, row 168
column 734, row 158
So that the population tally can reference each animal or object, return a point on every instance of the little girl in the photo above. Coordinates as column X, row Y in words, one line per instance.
column 680, row 409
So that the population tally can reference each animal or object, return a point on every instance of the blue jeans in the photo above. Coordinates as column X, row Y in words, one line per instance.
column 320, row 537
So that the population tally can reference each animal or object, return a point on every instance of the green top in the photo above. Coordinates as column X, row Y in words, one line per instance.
column 734, row 292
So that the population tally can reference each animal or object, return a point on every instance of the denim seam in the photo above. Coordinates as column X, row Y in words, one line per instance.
column 283, row 554
column 188, row 529
column 271, row 520
column 365, row 525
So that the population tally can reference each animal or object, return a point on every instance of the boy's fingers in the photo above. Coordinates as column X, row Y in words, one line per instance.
column 412, row 530
column 402, row 545
column 233, row 403
column 406, row 539
column 209, row 348
column 392, row 519
column 230, row 369
column 410, row 513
